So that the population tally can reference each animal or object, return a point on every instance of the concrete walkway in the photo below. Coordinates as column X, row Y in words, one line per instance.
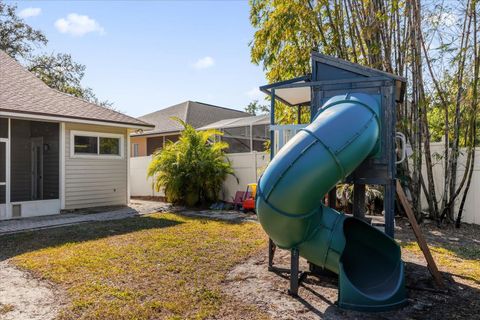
column 136, row 207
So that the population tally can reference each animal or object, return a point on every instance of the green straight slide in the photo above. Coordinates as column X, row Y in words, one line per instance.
column 344, row 133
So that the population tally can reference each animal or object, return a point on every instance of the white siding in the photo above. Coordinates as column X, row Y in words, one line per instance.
column 94, row 182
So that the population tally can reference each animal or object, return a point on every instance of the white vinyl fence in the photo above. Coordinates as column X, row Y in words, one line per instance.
column 140, row 185
column 471, row 214
column 247, row 166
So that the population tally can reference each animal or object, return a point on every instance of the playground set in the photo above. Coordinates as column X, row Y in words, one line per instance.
column 351, row 138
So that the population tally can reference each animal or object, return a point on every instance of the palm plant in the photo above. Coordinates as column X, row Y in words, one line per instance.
column 193, row 169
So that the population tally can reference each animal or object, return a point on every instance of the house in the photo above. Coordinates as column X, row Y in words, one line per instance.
column 246, row 136
column 58, row 152
column 196, row 114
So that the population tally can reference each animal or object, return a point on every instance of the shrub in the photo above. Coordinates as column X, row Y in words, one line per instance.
column 373, row 198
column 193, row 169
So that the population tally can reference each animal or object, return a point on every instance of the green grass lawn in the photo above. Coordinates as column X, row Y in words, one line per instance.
column 158, row 266
column 165, row 266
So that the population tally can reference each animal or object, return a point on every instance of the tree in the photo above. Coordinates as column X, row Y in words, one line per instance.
column 433, row 45
column 90, row 96
column 59, row 71
column 193, row 169
column 17, row 38
column 255, row 108
column 62, row 73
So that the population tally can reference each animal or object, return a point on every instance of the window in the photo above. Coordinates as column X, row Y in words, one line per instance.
column 86, row 145
column 110, row 146
column 93, row 144
column 135, row 151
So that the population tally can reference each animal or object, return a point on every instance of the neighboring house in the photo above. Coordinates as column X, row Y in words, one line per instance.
column 58, row 152
column 196, row 114
column 246, row 137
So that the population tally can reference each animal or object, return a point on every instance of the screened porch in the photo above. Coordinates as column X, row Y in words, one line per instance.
column 245, row 134
column 29, row 168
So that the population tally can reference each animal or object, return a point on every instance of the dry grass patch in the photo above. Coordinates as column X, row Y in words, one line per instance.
column 6, row 308
column 466, row 266
column 161, row 266
column 456, row 251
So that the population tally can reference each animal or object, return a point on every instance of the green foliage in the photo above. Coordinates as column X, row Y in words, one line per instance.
column 59, row 71
column 286, row 32
column 373, row 198
column 285, row 35
column 193, row 169
column 437, row 111
column 62, row 73
column 432, row 45
column 255, row 108
column 17, row 38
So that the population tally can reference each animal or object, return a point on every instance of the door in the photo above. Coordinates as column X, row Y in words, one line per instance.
column 37, row 168
column 3, row 179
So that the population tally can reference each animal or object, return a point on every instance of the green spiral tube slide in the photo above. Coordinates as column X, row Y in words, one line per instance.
column 344, row 133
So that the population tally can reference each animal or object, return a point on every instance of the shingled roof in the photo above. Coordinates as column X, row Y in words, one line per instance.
column 196, row 114
column 22, row 92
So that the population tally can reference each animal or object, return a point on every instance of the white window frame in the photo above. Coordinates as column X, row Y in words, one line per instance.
column 98, row 135
column 135, row 153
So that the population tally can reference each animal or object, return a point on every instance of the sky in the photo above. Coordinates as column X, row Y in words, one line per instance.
column 147, row 55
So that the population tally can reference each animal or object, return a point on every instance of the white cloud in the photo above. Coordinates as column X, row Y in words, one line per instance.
column 255, row 94
column 30, row 12
column 78, row 25
column 204, row 63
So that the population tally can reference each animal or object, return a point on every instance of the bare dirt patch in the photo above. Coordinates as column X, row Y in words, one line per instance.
column 252, row 283
column 22, row 297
